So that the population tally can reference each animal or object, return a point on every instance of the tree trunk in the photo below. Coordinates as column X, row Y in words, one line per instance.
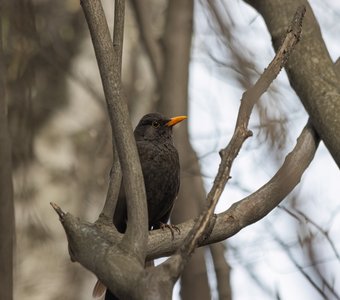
column 6, row 191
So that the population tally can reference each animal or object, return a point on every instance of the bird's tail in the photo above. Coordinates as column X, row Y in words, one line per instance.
column 98, row 290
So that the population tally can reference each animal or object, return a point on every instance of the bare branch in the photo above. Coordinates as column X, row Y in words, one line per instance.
column 320, row 95
column 95, row 245
column 317, row 226
column 241, row 133
column 116, row 172
column 250, row 209
column 136, row 233
column 300, row 268
column 118, row 34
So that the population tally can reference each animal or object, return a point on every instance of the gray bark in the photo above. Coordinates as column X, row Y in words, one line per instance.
column 310, row 69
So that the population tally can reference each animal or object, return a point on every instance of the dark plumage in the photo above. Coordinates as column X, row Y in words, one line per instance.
column 160, row 167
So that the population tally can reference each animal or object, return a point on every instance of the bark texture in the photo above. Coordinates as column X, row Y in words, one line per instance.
column 310, row 69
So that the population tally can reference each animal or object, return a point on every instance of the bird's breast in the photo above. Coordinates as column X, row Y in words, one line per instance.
column 160, row 166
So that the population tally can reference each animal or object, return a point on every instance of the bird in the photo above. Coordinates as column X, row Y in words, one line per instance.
column 161, row 172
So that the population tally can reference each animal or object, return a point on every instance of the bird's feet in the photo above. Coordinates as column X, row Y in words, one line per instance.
column 171, row 227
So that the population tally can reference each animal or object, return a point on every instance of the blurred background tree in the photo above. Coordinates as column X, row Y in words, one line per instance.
column 180, row 57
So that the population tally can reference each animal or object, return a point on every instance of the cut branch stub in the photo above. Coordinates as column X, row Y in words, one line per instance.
column 58, row 210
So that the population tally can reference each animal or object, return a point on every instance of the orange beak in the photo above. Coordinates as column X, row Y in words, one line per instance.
column 175, row 120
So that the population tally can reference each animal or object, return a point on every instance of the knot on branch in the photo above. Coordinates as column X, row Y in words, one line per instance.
column 296, row 25
column 222, row 152
column 249, row 133
column 244, row 132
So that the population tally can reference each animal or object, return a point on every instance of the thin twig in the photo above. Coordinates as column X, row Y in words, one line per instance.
column 299, row 267
column 324, row 232
column 118, row 34
column 317, row 226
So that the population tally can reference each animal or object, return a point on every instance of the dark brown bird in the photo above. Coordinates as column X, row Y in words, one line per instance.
column 160, row 166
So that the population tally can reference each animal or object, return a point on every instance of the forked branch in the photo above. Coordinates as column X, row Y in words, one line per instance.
column 136, row 233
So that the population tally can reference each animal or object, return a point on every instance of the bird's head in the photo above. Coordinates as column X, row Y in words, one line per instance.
column 155, row 126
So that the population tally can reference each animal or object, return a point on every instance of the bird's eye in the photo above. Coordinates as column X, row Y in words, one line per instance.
column 155, row 124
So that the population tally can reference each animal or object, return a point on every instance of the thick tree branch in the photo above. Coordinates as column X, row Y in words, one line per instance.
column 136, row 233
column 250, row 209
column 89, row 245
column 310, row 69
column 241, row 133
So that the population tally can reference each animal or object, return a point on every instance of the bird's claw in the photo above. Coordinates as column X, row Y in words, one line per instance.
column 171, row 227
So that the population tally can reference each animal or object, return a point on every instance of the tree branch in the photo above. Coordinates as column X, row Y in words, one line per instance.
column 324, row 232
column 228, row 154
column 93, row 245
column 136, row 234
column 310, row 69
column 118, row 35
column 250, row 209
column 116, row 172
column 305, row 274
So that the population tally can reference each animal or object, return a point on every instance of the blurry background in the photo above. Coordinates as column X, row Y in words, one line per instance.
column 61, row 143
